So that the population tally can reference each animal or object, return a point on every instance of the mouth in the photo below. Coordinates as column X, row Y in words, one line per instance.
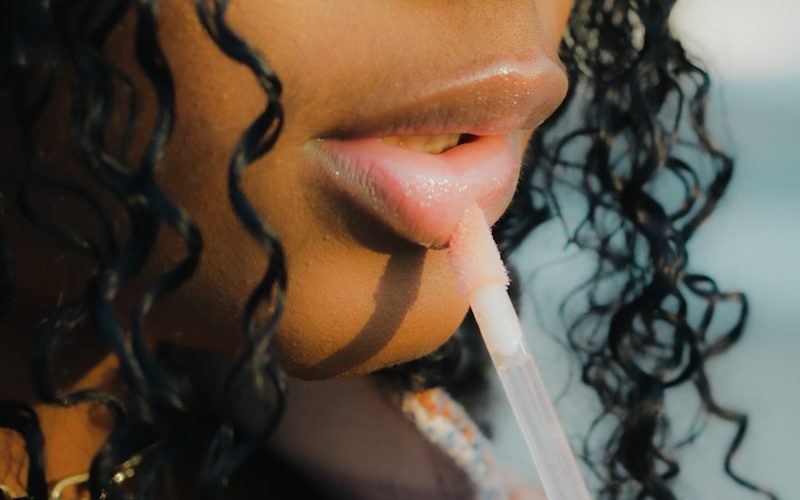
column 417, row 166
column 420, row 186
column 430, row 144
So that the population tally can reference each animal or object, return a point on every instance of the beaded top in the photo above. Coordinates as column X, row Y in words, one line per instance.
column 445, row 423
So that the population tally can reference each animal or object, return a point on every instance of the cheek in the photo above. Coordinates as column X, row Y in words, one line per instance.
column 350, row 307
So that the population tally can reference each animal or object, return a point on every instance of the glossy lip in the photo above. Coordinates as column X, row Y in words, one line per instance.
column 423, row 196
column 492, row 100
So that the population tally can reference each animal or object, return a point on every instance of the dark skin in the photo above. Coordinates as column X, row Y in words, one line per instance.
column 401, row 300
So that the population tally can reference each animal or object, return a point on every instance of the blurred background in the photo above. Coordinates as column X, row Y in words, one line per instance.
column 751, row 243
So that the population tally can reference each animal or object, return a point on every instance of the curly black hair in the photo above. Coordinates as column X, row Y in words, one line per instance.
column 634, row 113
column 639, row 101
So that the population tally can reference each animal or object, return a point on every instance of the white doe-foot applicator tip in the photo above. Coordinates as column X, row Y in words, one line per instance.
column 474, row 257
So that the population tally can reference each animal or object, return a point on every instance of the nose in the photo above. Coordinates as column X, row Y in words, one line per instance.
column 484, row 29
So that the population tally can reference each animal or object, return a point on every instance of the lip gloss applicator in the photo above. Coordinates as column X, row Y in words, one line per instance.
column 483, row 279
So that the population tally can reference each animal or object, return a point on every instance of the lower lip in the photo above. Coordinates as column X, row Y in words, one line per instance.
column 423, row 196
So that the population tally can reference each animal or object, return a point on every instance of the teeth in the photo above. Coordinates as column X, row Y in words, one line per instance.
column 431, row 144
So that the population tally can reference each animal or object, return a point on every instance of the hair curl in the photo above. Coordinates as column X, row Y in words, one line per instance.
column 639, row 102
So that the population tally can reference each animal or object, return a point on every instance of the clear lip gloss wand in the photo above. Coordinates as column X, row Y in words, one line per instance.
column 483, row 279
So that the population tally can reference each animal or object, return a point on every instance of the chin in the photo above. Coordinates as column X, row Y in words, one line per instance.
column 358, row 329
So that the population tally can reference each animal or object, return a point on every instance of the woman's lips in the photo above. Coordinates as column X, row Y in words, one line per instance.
column 423, row 196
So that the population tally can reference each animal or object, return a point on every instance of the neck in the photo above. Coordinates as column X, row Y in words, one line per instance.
column 72, row 435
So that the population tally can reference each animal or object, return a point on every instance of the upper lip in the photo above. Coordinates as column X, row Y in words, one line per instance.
column 495, row 99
